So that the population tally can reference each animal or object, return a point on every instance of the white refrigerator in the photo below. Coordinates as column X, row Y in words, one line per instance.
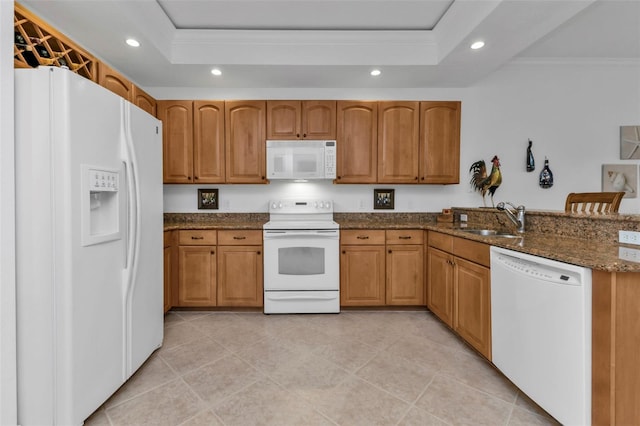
column 89, row 256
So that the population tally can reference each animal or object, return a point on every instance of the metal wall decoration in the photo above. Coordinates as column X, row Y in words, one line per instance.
column 531, row 162
column 383, row 199
column 629, row 142
column 546, row 175
column 208, row 198
column 620, row 177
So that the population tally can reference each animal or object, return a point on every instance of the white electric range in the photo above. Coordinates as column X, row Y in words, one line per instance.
column 301, row 257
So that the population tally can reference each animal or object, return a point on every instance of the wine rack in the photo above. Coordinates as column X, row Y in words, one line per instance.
column 36, row 43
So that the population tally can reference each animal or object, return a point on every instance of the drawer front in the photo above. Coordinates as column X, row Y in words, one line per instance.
column 405, row 236
column 362, row 237
column 197, row 238
column 240, row 238
column 440, row 241
column 472, row 250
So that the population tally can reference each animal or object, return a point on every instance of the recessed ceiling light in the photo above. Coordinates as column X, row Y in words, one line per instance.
column 133, row 42
column 216, row 72
column 477, row 45
column 376, row 73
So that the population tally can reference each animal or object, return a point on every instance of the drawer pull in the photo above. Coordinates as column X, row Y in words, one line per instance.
column 239, row 238
column 258, row 251
column 404, row 237
column 389, row 251
column 363, row 237
column 197, row 238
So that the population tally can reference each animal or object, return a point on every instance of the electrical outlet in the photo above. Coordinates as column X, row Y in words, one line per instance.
column 463, row 217
column 629, row 237
column 631, row 254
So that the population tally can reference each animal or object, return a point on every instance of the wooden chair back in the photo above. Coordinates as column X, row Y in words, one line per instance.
column 593, row 202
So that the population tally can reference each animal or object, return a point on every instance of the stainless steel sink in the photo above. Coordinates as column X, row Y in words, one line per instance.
column 491, row 233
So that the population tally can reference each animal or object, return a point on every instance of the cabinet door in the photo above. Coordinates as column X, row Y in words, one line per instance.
column 197, row 277
column 318, row 120
column 114, row 81
column 405, row 275
column 143, row 100
column 362, row 275
column 473, row 305
column 439, row 142
column 357, row 142
column 283, row 120
column 245, row 141
column 440, row 284
column 177, row 140
column 168, row 269
column 398, row 126
column 240, row 276
column 208, row 141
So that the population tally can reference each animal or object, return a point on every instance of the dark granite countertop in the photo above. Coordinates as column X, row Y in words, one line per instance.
column 598, row 249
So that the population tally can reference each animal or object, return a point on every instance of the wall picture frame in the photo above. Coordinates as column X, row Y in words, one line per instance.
column 629, row 142
column 208, row 198
column 620, row 177
column 383, row 199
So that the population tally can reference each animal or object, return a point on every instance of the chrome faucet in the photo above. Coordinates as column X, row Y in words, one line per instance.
column 517, row 219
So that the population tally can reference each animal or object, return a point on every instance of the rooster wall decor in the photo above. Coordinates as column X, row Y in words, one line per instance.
column 483, row 183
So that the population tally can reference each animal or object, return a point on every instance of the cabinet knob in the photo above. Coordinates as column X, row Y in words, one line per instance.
column 238, row 238
column 297, row 135
column 197, row 238
column 362, row 237
column 339, row 177
column 258, row 251
column 195, row 177
column 189, row 177
column 416, row 178
column 404, row 237
column 344, row 252
column 213, row 252
column 389, row 251
column 422, row 178
column 304, row 135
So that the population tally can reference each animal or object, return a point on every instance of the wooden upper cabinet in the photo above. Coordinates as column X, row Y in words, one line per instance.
column 398, row 129
column 440, row 142
column 177, row 132
column 301, row 120
column 245, row 138
column 114, row 81
column 357, row 142
column 143, row 100
column 208, row 142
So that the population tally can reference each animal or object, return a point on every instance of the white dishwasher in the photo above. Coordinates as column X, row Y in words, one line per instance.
column 541, row 331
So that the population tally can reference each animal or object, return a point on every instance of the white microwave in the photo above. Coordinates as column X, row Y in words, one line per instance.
column 301, row 159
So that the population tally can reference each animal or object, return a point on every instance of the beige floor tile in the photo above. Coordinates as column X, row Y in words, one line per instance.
column 433, row 329
column 172, row 318
column 348, row 354
column 417, row 417
column 298, row 336
column 169, row 404
column 218, row 380
column 475, row 371
column 180, row 334
column 526, row 403
column 153, row 373
column 205, row 418
column 457, row 403
column 522, row 417
column 356, row 402
column 308, row 376
column 270, row 353
column 401, row 377
column 265, row 324
column 193, row 355
column 99, row 418
column 266, row 403
column 423, row 352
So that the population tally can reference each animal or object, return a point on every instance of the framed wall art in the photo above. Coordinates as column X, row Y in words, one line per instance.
column 629, row 142
column 208, row 198
column 620, row 177
column 383, row 198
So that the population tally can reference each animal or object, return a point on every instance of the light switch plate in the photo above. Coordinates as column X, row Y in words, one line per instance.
column 630, row 254
column 629, row 237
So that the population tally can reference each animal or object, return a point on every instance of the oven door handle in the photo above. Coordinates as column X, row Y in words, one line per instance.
column 276, row 296
column 289, row 234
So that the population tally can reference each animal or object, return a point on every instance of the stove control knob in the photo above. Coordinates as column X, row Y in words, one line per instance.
column 328, row 204
column 280, row 205
column 315, row 204
column 274, row 205
column 321, row 204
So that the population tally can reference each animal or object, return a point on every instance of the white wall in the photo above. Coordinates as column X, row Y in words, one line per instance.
column 8, row 405
column 572, row 111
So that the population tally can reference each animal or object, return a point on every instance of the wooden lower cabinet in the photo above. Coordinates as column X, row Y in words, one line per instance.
column 380, row 267
column 169, row 269
column 458, row 288
column 362, row 275
column 615, row 382
column 198, row 275
column 440, row 284
column 240, row 276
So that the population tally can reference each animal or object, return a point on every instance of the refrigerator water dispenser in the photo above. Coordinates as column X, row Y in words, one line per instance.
column 100, row 209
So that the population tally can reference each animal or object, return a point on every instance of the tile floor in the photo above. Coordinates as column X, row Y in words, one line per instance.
column 355, row 368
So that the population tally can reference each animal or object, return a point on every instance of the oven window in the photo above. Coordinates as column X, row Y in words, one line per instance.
column 301, row 261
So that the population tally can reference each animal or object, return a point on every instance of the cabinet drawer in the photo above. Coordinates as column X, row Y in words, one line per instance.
column 443, row 242
column 405, row 236
column 197, row 238
column 240, row 238
column 472, row 250
column 362, row 237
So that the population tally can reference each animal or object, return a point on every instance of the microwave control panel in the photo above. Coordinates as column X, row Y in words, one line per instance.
column 330, row 160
